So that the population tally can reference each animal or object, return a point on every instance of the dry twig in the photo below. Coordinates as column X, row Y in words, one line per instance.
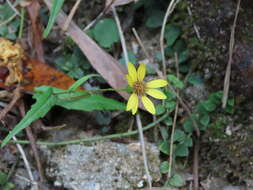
column 144, row 155
column 70, row 16
column 230, row 59
column 16, row 96
column 170, row 9
column 174, row 124
column 33, row 143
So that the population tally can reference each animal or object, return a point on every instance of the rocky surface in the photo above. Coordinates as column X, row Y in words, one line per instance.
column 104, row 165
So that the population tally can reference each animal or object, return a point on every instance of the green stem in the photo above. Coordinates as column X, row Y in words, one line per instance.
column 77, row 141
column 21, row 27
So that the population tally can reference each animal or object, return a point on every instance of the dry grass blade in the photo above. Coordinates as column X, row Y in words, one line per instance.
column 101, row 61
column 231, row 49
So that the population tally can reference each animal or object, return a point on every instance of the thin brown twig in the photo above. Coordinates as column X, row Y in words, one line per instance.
column 196, row 164
column 144, row 154
column 70, row 16
column 16, row 96
column 159, row 73
column 27, row 165
column 101, row 14
column 33, row 143
column 169, row 10
column 122, row 38
column 230, row 59
column 185, row 106
column 174, row 123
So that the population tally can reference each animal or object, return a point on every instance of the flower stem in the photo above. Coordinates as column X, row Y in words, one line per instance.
column 92, row 139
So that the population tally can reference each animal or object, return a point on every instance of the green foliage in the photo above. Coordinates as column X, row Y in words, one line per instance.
column 4, row 185
column 155, row 19
column 175, row 181
column 105, row 32
column 172, row 33
column 57, row 4
column 10, row 29
column 164, row 167
column 73, row 63
column 47, row 97
column 175, row 81
column 195, row 79
column 131, row 58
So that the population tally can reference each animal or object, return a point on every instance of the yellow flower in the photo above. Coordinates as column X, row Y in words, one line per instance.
column 141, row 88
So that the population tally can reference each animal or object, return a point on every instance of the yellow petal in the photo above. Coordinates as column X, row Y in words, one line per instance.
column 148, row 104
column 156, row 83
column 132, row 71
column 135, row 108
column 132, row 101
column 141, row 72
column 129, row 80
column 156, row 93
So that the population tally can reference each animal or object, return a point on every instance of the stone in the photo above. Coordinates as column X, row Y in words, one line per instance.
column 102, row 165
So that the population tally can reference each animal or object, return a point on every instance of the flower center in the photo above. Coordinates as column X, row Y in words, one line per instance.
column 139, row 88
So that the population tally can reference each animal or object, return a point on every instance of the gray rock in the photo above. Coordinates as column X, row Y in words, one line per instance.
column 214, row 183
column 230, row 187
column 196, row 92
column 102, row 166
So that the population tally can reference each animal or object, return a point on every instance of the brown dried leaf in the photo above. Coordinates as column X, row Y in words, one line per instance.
column 38, row 74
column 101, row 61
column 11, row 57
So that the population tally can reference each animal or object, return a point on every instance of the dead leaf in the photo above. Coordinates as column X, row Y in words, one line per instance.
column 101, row 61
column 11, row 57
column 33, row 11
column 38, row 74
column 18, row 69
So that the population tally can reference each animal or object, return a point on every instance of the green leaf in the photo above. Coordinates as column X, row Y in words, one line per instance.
column 170, row 105
column 181, row 150
column 164, row 147
column 155, row 19
column 44, row 102
column 57, row 4
column 164, row 133
column 216, row 97
column 179, row 135
column 180, row 47
column 188, row 125
column 164, row 167
column 171, row 34
column 175, row 181
column 208, row 105
column 204, row 120
column 175, row 81
column 90, row 103
column 4, row 185
column 106, row 32
column 170, row 95
column 8, row 186
column 81, row 81
column 159, row 109
column 195, row 80
column 3, row 178
column 131, row 58
column 168, row 121
column 188, row 142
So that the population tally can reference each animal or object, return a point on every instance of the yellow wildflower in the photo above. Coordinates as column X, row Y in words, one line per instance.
column 141, row 88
